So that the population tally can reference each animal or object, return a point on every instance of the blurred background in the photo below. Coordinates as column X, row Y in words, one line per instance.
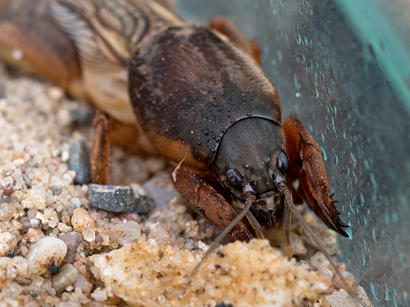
column 342, row 66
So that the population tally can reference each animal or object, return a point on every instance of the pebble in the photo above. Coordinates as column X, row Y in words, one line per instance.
column 118, row 199
column 67, row 276
column 64, row 117
column 72, row 240
column 49, row 217
column 68, row 304
column 328, row 239
column 34, row 234
column 55, row 93
column 296, row 246
column 37, row 198
column 46, row 251
column 144, row 204
column 79, row 161
column 63, row 227
column 131, row 217
column 7, row 212
column 161, row 189
column 339, row 299
column 129, row 232
column 75, row 202
column 82, row 284
column 14, row 268
column 81, row 220
column 8, row 241
column 319, row 261
column 89, row 235
column 99, row 294
column 349, row 278
column 364, row 299
column 7, row 189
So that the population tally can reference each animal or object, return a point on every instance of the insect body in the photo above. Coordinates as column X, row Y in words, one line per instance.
column 197, row 98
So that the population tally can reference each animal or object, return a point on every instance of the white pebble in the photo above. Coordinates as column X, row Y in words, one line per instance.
column 75, row 202
column 161, row 299
column 99, row 294
column 202, row 246
column 340, row 298
column 82, row 284
column 7, row 212
column 14, row 267
column 89, row 235
column 49, row 217
column 296, row 244
column 18, row 162
column 319, row 261
column 8, row 241
column 130, row 231
column 55, row 93
column 68, row 304
column 64, row 117
column 37, row 198
column 82, row 220
column 65, row 155
column 67, row 276
column 44, row 252
column 69, row 177
column 63, row 227
column 34, row 222
column 55, row 152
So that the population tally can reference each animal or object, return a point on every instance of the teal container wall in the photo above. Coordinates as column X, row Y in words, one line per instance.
column 335, row 81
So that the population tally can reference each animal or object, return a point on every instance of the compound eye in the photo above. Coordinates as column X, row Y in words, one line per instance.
column 234, row 178
column 282, row 162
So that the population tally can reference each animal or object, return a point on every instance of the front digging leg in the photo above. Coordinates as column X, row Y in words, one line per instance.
column 306, row 164
column 203, row 198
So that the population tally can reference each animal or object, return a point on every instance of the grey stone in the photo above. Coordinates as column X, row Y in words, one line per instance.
column 79, row 161
column 118, row 199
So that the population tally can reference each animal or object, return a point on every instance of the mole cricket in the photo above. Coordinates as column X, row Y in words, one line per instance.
column 194, row 95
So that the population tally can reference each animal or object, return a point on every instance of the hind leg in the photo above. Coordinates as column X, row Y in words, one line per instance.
column 100, row 152
column 107, row 132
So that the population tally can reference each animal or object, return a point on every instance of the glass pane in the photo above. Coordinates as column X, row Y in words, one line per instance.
column 323, row 60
